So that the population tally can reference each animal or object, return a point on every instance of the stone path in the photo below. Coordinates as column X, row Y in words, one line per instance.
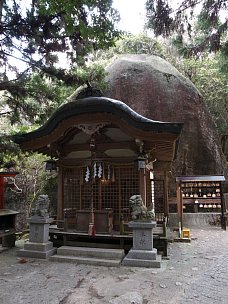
column 195, row 273
column 210, row 287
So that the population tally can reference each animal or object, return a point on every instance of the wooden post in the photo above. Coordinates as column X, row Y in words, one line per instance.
column 60, row 202
column 120, row 218
column 166, row 209
column 142, row 185
column 99, row 195
column 179, row 206
column 223, row 209
column 80, row 188
column 91, row 228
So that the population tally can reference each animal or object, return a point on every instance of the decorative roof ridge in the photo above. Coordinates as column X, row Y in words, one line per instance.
column 89, row 91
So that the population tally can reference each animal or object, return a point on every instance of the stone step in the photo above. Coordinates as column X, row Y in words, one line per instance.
column 103, row 253
column 84, row 260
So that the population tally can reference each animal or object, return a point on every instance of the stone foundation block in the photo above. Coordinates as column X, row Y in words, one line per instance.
column 37, row 250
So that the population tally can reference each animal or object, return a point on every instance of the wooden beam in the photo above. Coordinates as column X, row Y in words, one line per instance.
column 73, row 162
column 99, row 147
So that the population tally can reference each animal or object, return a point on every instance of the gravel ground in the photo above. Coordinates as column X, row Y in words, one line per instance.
column 195, row 272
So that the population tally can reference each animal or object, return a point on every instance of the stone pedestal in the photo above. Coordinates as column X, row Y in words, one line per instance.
column 39, row 245
column 142, row 254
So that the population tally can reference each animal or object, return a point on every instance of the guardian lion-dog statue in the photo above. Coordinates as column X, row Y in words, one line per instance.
column 41, row 206
column 139, row 211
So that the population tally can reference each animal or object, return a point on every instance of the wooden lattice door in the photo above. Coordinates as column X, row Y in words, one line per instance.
column 113, row 195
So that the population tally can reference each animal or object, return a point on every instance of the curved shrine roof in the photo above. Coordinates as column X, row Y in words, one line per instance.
column 93, row 105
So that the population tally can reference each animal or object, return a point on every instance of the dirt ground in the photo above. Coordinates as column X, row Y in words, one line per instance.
column 194, row 272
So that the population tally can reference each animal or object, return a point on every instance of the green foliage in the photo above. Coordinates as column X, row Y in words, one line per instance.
column 33, row 178
column 158, row 17
column 140, row 44
column 129, row 44
column 39, row 38
column 196, row 32
column 45, row 94
column 223, row 60
column 93, row 73
column 41, row 97
column 205, row 74
column 8, row 149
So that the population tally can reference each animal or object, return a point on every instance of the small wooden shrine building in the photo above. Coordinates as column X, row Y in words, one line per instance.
column 105, row 153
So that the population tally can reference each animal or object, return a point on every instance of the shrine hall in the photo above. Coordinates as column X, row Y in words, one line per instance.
column 105, row 152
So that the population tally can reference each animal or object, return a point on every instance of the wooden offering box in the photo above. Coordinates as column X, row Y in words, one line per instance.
column 103, row 220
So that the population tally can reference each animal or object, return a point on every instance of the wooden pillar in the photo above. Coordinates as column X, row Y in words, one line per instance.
column 223, row 209
column 142, row 185
column 60, row 201
column 179, row 205
column 166, row 208
column 118, row 174
column 80, row 187
column 99, row 195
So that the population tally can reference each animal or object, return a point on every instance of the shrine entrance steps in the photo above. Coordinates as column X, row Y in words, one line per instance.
column 89, row 256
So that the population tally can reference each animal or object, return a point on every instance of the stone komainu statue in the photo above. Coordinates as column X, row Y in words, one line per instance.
column 138, row 209
column 41, row 206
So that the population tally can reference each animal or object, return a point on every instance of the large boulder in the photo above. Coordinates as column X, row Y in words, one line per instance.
column 155, row 89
